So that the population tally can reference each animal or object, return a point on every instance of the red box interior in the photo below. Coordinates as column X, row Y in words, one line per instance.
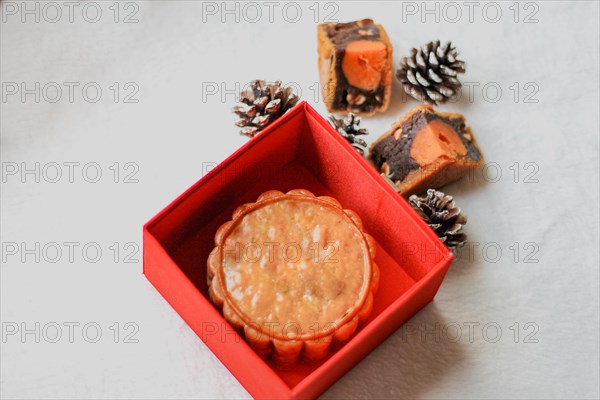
column 300, row 150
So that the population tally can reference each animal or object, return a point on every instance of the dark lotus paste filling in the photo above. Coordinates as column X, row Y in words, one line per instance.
column 396, row 153
column 340, row 35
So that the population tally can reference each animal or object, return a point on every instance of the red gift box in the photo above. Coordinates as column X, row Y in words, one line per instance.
column 298, row 151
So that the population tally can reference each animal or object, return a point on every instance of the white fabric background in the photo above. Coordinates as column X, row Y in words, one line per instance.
column 177, row 124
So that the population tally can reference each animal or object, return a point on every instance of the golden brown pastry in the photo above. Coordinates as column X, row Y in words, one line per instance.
column 294, row 273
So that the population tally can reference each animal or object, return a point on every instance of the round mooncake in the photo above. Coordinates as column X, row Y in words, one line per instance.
column 294, row 273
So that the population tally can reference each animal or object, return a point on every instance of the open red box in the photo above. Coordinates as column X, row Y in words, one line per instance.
column 300, row 150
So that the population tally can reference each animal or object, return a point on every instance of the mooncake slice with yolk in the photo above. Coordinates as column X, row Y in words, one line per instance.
column 426, row 149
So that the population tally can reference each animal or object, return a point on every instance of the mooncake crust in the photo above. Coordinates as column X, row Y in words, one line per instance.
column 310, row 345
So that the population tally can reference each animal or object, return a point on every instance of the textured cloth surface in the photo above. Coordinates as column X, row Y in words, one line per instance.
column 517, row 315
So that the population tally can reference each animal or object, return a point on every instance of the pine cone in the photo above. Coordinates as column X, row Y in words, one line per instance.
column 349, row 129
column 261, row 105
column 442, row 215
column 430, row 73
